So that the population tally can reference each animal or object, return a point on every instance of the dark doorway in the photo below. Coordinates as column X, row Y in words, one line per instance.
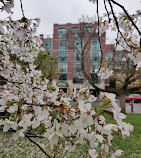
column 64, row 90
column 94, row 92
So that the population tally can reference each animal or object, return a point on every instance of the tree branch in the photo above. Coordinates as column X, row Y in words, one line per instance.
column 127, row 15
column 107, row 11
column 99, row 36
column 132, row 80
column 133, row 89
column 28, row 137
column 116, row 22
column 22, row 8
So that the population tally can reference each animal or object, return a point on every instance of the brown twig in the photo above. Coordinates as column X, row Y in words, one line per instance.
column 28, row 137
column 22, row 8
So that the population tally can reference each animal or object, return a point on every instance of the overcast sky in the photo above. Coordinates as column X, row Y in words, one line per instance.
column 62, row 11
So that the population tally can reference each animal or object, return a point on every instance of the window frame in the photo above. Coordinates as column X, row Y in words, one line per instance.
column 49, row 45
column 62, row 32
column 94, row 44
column 95, row 55
column 62, row 56
column 62, row 45
column 75, row 31
column 64, row 67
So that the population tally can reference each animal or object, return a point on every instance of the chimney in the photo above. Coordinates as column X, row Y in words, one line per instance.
column 41, row 36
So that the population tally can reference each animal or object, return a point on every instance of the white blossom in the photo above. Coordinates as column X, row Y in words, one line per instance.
column 18, row 134
column 116, row 153
column 93, row 153
column 12, row 109
column 9, row 124
column 53, row 138
column 112, row 98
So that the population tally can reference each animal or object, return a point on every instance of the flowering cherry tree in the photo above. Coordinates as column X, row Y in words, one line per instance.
column 127, row 27
column 127, row 40
column 30, row 107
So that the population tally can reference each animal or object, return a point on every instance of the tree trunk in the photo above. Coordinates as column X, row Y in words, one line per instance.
column 122, row 103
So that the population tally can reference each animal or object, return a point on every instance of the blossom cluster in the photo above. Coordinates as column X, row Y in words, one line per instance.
column 28, row 103
column 7, row 5
column 31, row 106
column 104, row 73
column 128, row 37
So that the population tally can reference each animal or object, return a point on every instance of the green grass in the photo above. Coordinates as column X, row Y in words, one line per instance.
column 131, row 145
column 22, row 148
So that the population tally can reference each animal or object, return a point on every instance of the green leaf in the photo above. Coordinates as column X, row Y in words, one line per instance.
column 106, row 102
column 54, row 114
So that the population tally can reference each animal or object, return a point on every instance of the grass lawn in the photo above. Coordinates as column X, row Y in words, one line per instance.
column 22, row 148
column 131, row 145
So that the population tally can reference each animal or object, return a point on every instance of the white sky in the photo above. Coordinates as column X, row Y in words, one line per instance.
column 62, row 11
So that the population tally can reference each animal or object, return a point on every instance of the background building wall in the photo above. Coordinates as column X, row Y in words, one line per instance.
column 67, row 63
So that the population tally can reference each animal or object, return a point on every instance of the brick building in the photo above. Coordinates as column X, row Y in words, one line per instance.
column 67, row 46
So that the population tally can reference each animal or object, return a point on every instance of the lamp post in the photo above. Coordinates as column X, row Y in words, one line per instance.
column 132, row 103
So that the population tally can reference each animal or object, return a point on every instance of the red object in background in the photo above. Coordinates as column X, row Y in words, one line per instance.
column 136, row 97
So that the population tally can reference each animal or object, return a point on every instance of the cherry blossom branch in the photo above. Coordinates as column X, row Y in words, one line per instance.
column 34, row 136
column 116, row 22
column 14, row 82
column 26, row 134
column 41, row 105
column 22, row 8
column 83, row 67
column 121, row 6
column 106, row 10
column 129, row 17
column 10, row 130
column 99, row 35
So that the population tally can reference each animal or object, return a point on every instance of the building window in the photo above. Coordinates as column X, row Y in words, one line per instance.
column 118, row 61
column 77, row 56
column 62, row 32
column 75, row 31
column 78, row 78
column 94, row 66
column 77, row 45
column 110, row 67
column 62, row 76
column 127, row 64
column 47, row 45
column 108, row 57
column 62, row 45
column 62, row 56
column 89, row 29
column 96, row 79
column 118, row 66
column 77, row 67
column 95, row 55
column 62, row 67
column 118, row 57
column 77, row 75
column 95, row 44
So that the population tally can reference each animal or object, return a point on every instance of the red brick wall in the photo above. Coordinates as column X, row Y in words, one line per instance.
column 70, row 37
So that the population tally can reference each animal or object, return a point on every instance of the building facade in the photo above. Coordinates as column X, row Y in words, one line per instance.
column 67, row 44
